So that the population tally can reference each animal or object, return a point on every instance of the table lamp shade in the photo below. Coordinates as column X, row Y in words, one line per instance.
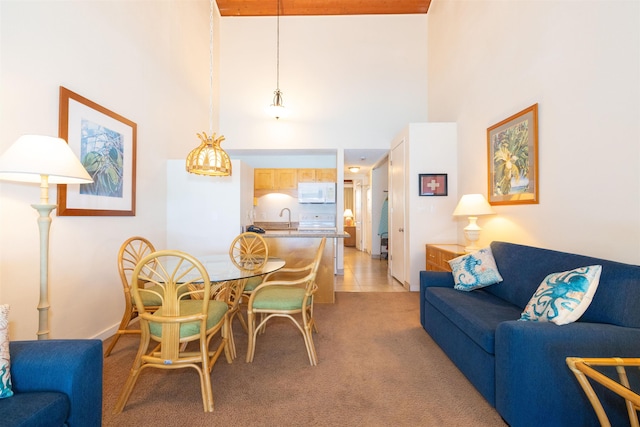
column 348, row 213
column 473, row 205
column 32, row 156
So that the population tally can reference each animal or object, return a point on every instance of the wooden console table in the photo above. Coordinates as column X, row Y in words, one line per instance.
column 350, row 241
column 438, row 255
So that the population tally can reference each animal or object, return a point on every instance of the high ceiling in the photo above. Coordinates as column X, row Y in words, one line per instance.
column 321, row 7
column 363, row 158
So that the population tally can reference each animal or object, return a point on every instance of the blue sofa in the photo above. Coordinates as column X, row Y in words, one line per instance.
column 55, row 383
column 519, row 366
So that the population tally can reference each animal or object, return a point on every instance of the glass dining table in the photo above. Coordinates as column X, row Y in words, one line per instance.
column 221, row 268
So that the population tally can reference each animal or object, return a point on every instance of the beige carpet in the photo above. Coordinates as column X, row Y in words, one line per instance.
column 377, row 367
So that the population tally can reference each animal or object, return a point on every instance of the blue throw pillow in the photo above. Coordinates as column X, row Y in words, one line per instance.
column 475, row 270
column 563, row 297
column 5, row 373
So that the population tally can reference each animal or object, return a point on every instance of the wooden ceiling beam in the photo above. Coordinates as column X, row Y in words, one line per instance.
column 321, row 7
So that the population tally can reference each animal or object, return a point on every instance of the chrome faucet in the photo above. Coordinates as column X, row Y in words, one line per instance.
column 288, row 210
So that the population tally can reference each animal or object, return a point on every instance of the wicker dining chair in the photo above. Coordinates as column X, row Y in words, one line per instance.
column 130, row 253
column 583, row 369
column 179, row 320
column 248, row 251
column 286, row 298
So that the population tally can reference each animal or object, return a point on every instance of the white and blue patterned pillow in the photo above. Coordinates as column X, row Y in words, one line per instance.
column 563, row 297
column 5, row 373
column 475, row 270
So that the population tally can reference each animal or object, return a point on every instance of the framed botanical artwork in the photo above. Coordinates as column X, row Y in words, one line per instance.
column 105, row 143
column 512, row 147
column 433, row 184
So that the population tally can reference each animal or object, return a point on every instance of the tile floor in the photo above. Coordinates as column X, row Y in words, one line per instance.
column 365, row 274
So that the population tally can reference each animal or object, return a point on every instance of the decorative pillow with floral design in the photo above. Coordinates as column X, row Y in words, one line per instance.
column 475, row 270
column 563, row 297
column 5, row 374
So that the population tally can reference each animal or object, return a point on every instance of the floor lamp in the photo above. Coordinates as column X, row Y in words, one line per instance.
column 45, row 160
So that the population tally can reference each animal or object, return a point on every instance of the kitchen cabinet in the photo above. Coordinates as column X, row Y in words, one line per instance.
column 317, row 175
column 264, row 179
column 279, row 180
column 420, row 148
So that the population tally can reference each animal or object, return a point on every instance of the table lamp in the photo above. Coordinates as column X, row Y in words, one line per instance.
column 348, row 217
column 472, row 206
column 45, row 160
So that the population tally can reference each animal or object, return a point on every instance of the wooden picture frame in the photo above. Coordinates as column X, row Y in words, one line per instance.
column 105, row 143
column 512, row 154
column 432, row 184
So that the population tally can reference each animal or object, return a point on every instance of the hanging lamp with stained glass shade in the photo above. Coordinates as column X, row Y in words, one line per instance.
column 209, row 158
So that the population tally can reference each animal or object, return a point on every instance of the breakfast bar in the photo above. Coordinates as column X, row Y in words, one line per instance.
column 298, row 247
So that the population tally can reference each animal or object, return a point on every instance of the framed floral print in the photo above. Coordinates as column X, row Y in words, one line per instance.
column 512, row 147
column 105, row 143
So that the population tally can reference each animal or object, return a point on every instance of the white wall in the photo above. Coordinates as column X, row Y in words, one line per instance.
column 205, row 213
column 348, row 81
column 147, row 61
column 580, row 61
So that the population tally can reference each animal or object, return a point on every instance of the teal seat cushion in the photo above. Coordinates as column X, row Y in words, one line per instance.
column 217, row 310
column 279, row 298
column 252, row 283
column 151, row 299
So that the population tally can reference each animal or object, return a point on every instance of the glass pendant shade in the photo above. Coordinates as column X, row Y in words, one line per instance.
column 277, row 109
column 209, row 158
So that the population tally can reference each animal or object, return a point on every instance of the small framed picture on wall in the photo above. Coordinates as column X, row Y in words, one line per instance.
column 433, row 184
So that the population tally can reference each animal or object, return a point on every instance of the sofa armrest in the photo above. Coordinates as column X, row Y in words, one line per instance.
column 73, row 367
column 433, row 278
column 443, row 279
column 533, row 381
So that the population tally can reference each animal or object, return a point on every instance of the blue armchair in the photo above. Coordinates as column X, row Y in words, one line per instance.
column 55, row 383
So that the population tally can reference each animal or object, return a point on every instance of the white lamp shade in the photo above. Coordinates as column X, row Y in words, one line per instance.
column 348, row 213
column 473, row 205
column 32, row 156
column 277, row 111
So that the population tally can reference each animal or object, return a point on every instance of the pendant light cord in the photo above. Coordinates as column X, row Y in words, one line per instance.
column 211, row 66
column 278, row 49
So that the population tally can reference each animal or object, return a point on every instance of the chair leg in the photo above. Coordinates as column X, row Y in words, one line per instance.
column 131, row 379
column 251, row 336
column 242, row 322
column 126, row 318
column 311, row 349
column 231, row 342
column 205, row 378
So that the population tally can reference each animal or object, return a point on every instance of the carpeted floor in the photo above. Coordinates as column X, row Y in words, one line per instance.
column 377, row 367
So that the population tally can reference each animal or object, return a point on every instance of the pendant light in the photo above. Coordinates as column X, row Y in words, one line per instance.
column 277, row 108
column 209, row 158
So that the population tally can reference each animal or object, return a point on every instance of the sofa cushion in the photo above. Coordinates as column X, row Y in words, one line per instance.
column 475, row 270
column 46, row 409
column 477, row 313
column 5, row 371
column 524, row 267
column 563, row 297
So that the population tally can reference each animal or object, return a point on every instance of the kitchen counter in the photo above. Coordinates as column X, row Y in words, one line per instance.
column 298, row 248
column 305, row 234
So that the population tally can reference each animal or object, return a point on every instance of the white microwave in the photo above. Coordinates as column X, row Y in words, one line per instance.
column 316, row 192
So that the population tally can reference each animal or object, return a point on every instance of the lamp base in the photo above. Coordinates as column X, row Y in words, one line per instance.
column 472, row 234
column 44, row 224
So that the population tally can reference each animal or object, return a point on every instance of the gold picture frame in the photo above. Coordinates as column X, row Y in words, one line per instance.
column 512, row 147
column 105, row 143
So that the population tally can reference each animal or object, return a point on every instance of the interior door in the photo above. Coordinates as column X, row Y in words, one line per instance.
column 357, row 205
column 397, row 202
